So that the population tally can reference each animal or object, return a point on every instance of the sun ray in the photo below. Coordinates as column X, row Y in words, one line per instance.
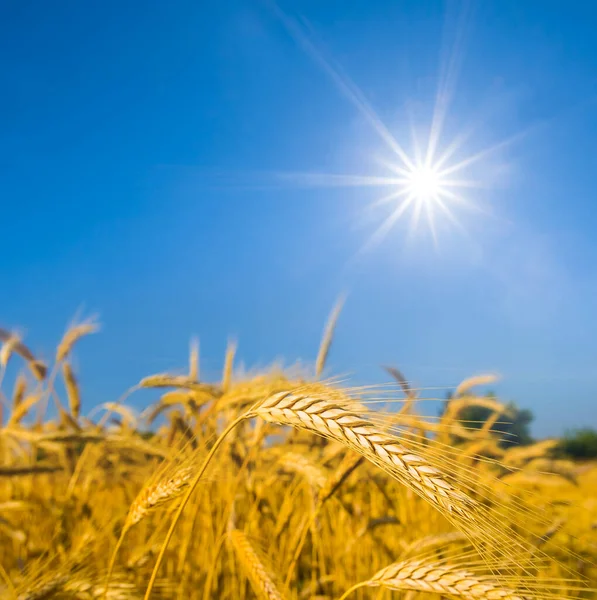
column 390, row 197
column 451, row 216
column 429, row 214
column 417, row 151
column 447, row 84
column 338, row 180
column 467, row 162
column 460, row 183
column 414, row 221
column 454, row 146
column 348, row 88
column 384, row 228
column 458, row 198
column 465, row 202
column 397, row 169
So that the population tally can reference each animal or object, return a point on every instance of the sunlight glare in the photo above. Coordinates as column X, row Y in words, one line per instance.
column 428, row 182
column 424, row 183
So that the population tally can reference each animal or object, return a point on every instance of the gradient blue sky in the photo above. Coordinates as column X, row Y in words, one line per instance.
column 140, row 149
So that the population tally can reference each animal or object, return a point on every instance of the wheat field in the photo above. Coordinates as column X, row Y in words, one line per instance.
column 277, row 484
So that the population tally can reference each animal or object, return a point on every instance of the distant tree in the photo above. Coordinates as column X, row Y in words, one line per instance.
column 444, row 405
column 579, row 443
column 519, row 428
column 512, row 428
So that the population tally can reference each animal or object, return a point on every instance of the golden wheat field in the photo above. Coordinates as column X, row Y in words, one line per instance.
column 278, row 484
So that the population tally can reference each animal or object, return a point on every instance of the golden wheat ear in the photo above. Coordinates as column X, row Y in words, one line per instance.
column 12, row 344
column 194, row 359
column 434, row 471
column 253, row 563
column 18, row 393
column 72, row 390
column 317, row 410
column 169, row 486
column 228, row 365
column 73, row 335
column 328, row 336
column 169, row 482
column 463, row 574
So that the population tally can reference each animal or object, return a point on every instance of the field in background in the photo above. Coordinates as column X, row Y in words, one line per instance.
column 313, row 492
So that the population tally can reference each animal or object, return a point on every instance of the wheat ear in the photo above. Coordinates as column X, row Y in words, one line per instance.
column 330, row 419
column 7, row 349
column 72, row 390
column 331, row 415
column 19, row 391
column 12, row 343
column 328, row 336
column 406, row 388
column 74, row 334
column 185, row 382
column 21, row 410
column 262, row 581
column 228, row 365
column 194, row 360
column 474, row 381
column 315, row 475
column 437, row 578
column 157, row 493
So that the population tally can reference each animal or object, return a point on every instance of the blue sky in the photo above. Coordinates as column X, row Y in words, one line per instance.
column 142, row 145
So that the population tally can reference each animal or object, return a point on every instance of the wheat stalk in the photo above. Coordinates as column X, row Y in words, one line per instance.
column 349, row 464
column 28, row 470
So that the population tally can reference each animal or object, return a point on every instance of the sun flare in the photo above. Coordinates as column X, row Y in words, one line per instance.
column 425, row 183
column 422, row 188
column 432, row 180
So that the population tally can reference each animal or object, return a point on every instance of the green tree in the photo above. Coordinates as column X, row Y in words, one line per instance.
column 512, row 428
column 579, row 443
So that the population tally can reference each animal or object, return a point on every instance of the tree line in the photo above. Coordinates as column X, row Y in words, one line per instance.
column 579, row 444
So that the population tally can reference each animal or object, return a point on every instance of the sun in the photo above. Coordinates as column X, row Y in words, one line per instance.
column 424, row 187
column 424, row 183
